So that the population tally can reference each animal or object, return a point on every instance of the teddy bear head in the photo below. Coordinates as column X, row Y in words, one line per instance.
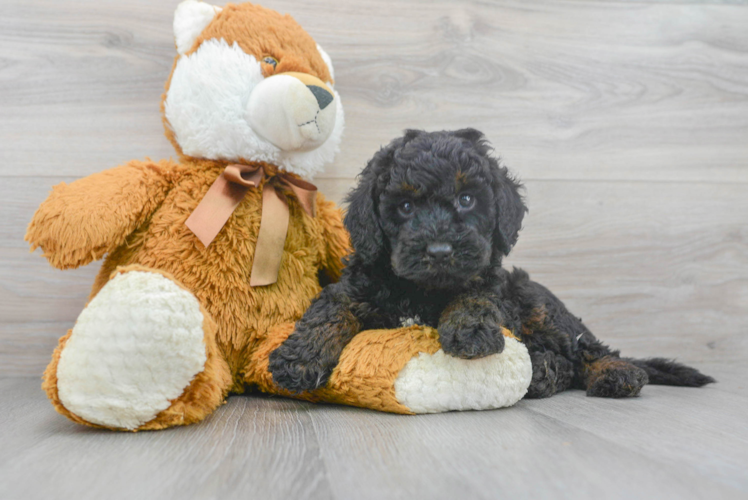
column 249, row 84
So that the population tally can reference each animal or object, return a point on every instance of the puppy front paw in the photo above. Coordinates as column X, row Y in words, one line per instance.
column 470, row 339
column 296, row 368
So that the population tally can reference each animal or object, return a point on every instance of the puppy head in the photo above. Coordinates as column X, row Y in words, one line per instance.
column 437, row 206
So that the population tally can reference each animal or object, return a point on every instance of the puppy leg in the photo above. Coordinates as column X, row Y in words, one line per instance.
column 306, row 359
column 551, row 373
column 552, row 333
column 470, row 327
column 612, row 377
column 600, row 371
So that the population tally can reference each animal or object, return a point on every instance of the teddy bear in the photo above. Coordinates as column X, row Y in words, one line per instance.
column 211, row 259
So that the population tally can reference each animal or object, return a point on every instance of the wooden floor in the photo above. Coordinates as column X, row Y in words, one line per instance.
column 668, row 443
column 626, row 120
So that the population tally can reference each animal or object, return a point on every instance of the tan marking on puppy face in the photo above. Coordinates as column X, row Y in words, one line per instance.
column 262, row 33
column 461, row 179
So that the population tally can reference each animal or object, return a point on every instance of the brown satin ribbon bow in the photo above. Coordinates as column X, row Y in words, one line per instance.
column 224, row 196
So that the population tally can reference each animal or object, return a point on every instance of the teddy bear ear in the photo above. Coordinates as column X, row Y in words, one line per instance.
column 190, row 19
column 328, row 62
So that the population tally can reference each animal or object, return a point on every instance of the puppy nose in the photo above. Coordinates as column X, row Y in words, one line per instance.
column 439, row 251
column 323, row 96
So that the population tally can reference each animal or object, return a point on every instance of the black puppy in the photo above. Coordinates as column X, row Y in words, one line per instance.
column 430, row 221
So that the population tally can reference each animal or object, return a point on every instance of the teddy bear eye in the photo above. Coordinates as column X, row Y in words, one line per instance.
column 406, row 208
column 272, row 61
column 466, row 201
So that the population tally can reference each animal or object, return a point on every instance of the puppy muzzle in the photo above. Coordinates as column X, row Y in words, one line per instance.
column 445, row 259
column 292, row 111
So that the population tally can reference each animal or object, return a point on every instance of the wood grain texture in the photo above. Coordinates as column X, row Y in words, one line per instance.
column 628, row 122
column 670, row 443
column 565, row 89
column 652, row 268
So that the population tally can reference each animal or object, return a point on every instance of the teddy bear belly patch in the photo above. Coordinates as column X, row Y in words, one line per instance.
column 433, row 383
column 134, row 348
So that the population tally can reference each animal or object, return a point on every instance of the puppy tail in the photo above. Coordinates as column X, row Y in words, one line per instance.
column 663, row 371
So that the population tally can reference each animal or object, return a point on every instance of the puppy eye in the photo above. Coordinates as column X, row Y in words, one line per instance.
column 466, row 201
column 272, row 61
column 406, row 208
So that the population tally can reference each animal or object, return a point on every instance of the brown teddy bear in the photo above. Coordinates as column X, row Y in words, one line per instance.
column 211, row 260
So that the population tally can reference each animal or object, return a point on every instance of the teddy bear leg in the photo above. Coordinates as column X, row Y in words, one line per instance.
column 142, row 355
column 404, row 370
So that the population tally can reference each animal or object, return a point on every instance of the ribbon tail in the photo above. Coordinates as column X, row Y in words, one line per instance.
column 271, row 239
column 209, row 217
column 305, row 192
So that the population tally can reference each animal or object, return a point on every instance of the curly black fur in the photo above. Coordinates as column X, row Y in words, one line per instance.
column 430, row 220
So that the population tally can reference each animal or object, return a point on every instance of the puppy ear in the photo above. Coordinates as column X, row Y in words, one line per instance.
column 362, row 218
column 510, row 209
column 470, row 134
column 410, row 134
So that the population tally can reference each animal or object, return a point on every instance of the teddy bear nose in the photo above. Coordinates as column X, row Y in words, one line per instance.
column 439, row 251
column 323, row 96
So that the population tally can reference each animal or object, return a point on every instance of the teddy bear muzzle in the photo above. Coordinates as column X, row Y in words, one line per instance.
column 293, row 111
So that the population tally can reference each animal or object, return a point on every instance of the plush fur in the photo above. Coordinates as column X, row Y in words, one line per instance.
column 169, row 350
column 140, row 358
column 431, row 219
column 169, row 341
column 437, row 382
column 214, row 82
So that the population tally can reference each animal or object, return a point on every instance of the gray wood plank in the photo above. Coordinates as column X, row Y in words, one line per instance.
column 652, row 268
column 26, row 348
column 680, row 2
column 33, row 291
column 611, row 90
column 638, row 267
column 730, row 376
column 242, row 451
column 670, row 443
column 697, row 431
column 510, row 453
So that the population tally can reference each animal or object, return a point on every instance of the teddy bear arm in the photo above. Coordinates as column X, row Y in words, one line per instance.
column 335, row 238
column 82, row 221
